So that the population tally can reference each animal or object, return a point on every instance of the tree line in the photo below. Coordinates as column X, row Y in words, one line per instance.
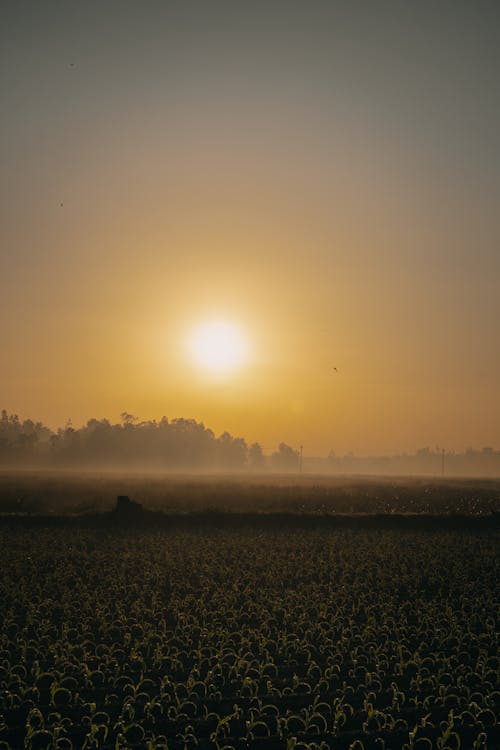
column 177, row 443
column 185, row 444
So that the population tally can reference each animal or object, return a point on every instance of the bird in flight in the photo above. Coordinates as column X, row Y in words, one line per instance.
column 334, row 369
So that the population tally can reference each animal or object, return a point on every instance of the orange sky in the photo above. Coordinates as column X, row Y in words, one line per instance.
column 328, row 180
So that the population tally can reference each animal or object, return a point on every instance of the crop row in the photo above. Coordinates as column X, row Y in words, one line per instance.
column 248, row 638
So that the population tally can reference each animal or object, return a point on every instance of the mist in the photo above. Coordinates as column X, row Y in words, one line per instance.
column 186, row 446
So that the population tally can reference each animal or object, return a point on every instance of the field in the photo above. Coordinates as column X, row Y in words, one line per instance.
column 256, row 636
column 249, row 612
column 92, row 492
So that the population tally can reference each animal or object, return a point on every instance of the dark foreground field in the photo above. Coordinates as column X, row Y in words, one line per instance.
column 70, row 492
column 247, row 636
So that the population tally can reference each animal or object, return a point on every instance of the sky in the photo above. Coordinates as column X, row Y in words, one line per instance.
column 324, row 176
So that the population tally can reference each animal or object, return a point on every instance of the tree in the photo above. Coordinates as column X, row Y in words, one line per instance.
column 128, row 419
column 232, row 451
column 256, row 457
column 285, row 459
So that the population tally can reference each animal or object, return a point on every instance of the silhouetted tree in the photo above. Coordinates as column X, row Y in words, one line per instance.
column 256, row 457
column 232, row 452
column 128, row 419
column 285, row 459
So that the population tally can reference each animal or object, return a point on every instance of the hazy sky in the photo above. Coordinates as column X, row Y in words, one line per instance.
column 325, row 175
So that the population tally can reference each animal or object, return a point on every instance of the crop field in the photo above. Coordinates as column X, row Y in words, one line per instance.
column 89, row 492
column 248, row 637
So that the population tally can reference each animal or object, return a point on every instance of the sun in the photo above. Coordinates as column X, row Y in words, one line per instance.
column 218, row 346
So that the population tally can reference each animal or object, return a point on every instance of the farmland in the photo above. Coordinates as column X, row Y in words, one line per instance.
column 257, row 636
column 67, row 493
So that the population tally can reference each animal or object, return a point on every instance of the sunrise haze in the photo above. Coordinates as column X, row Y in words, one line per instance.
column 317, row 183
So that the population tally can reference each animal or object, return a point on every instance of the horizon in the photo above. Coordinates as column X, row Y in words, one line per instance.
column 279, row 220
column 431, row 461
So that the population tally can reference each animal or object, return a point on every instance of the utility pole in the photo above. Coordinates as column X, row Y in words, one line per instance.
column 442, row 462
column 300, row 458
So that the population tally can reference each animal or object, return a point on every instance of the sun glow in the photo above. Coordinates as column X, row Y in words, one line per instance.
column 218, row 346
